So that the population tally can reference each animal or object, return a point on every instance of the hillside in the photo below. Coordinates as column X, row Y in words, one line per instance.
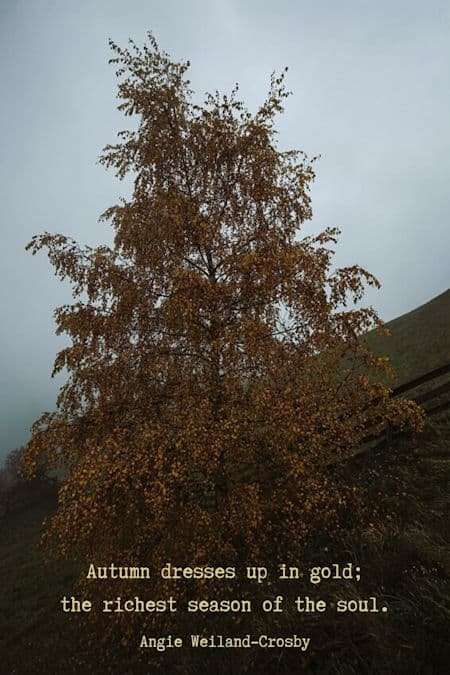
column 419, row 340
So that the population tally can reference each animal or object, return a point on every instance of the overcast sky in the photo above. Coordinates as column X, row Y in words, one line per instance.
column 370, row 95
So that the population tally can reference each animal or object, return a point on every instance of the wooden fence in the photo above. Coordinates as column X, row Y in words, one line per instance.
column 247, row 472
column 430, row 396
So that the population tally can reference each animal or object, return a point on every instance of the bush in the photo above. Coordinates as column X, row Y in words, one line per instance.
column 18, row 492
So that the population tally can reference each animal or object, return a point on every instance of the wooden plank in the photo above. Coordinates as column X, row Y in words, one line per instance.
column 438, row 408
column 428, row 395
column 442, row 370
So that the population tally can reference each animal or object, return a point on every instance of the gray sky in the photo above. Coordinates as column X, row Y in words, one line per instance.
column 370, row 95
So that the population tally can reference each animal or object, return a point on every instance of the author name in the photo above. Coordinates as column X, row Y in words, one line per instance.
column 161, row 643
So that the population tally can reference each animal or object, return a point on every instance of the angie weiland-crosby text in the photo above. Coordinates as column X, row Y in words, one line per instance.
column 218, row 641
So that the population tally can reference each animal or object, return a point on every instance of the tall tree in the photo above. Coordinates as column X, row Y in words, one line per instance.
column 215, row 364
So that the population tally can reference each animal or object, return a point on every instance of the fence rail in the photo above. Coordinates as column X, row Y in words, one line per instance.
column 386, row 434
column 431, row 375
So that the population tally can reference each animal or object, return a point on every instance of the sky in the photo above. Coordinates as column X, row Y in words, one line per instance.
column 370, row 96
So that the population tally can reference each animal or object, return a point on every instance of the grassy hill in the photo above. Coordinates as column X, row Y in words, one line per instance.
column 419, row 340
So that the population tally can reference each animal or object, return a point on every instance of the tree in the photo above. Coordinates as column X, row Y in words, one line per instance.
column 216, row 364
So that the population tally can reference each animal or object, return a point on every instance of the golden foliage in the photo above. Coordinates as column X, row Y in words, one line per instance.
column 212, row 339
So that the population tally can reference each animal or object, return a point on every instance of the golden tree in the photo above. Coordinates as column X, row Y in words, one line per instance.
column 215, row 364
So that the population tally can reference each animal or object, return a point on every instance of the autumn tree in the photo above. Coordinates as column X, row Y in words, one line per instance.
column 215, row 366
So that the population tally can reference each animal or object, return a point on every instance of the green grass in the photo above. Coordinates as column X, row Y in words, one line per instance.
column 29, row 589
